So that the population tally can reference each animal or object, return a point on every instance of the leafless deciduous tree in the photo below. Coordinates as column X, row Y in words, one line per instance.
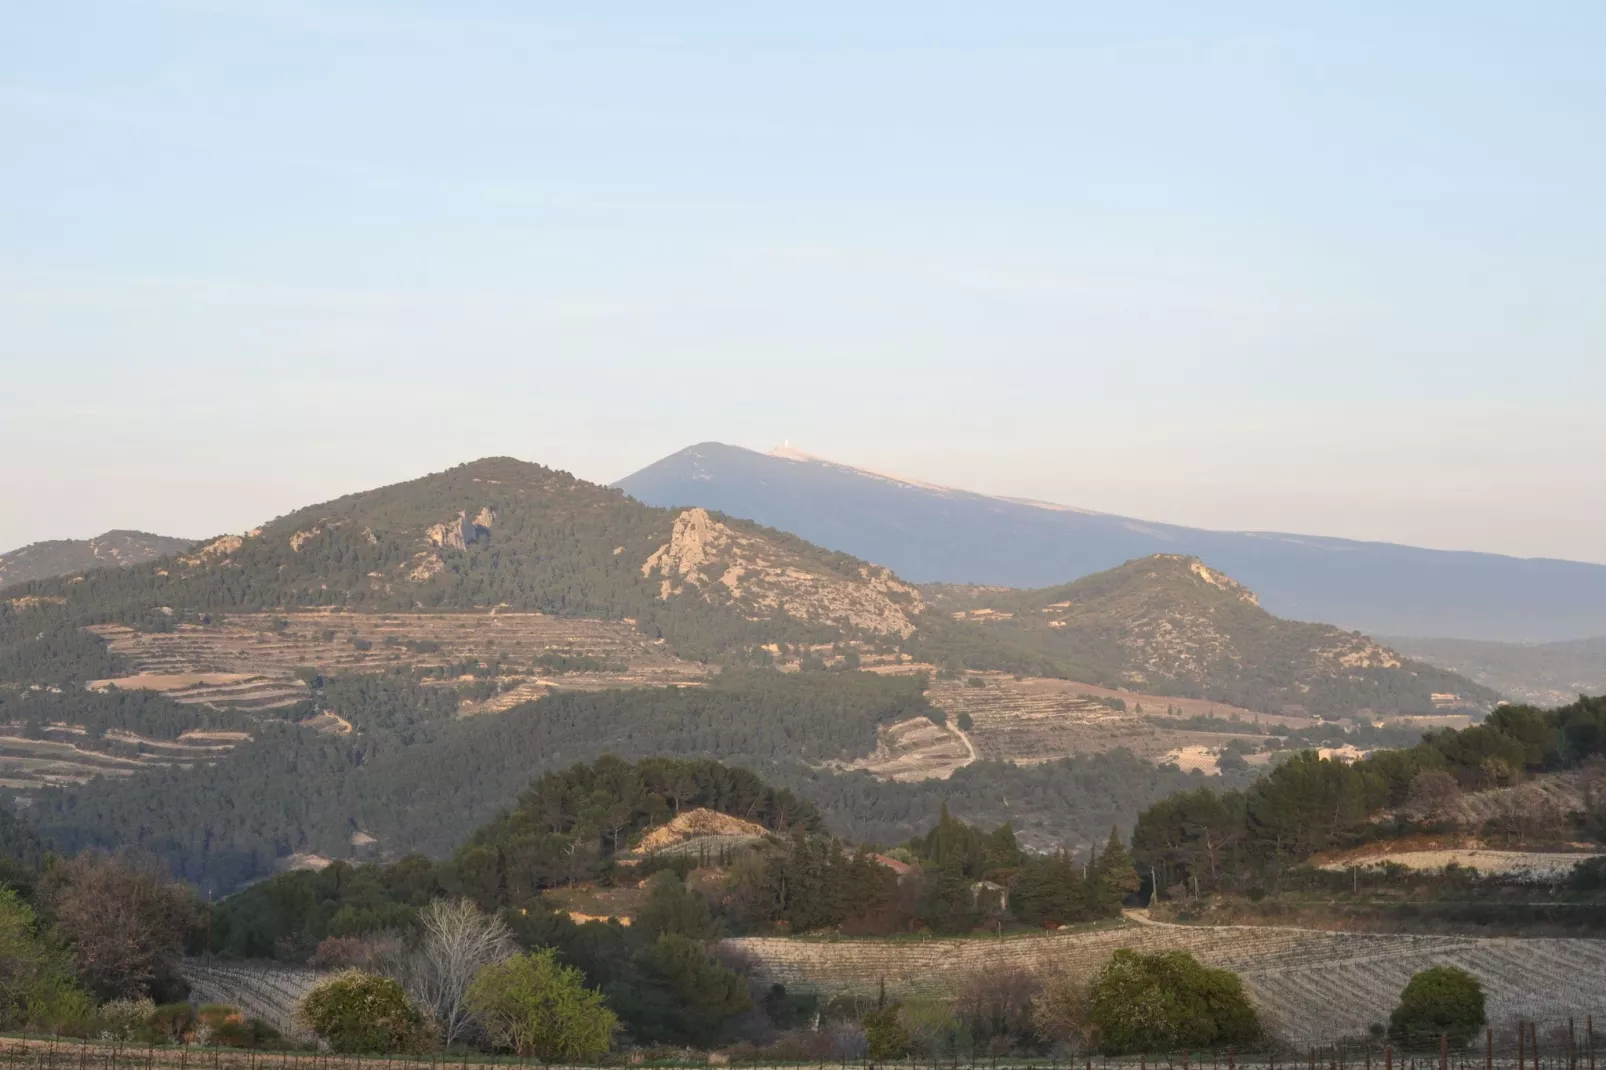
column 126, row 920
column 458, row 940
column 1433, row 793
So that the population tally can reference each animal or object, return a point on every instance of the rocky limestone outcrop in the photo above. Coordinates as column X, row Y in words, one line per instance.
column 461, row 533
column 216, row 549
column 1223, row 581
column 767, row 580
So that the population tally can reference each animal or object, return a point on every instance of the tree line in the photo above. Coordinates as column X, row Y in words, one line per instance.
column 1242, row 839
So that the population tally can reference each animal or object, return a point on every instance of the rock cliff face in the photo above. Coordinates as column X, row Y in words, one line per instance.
column 461, row 533
column 765, row 578
column 61, row 557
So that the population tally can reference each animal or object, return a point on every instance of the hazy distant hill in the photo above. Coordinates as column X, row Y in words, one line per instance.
column 937, row 534
column 1171, row 624
column 60, row 557
column 1545, row 674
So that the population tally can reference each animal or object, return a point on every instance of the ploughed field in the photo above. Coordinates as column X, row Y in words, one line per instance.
column 248, row 661
column 1310, row 986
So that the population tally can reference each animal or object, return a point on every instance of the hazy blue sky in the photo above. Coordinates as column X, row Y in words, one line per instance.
column 1239, row 265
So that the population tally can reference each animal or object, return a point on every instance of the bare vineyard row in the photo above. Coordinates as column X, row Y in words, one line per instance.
column 1308, row 985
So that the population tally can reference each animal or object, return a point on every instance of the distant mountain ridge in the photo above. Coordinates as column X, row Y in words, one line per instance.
column 927, row 533
column 61, row 557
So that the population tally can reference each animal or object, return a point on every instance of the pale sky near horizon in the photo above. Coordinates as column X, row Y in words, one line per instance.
column 1327, row 268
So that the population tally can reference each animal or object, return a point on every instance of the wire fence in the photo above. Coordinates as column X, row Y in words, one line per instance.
column 1527, row 1045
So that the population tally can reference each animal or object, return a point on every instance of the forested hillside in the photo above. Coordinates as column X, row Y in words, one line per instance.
column 415, row 778
column 495, row 533
column 1173, row 625
column 582, row 826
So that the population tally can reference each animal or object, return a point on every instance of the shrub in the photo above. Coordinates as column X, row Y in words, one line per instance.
column 124, row 1019
column 361, row 1013
column 1444, row 1000
column 1167, row 1001
column 536, row 1006
column 172, row 1022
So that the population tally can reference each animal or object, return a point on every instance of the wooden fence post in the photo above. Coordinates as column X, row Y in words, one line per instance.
column 1444, row 1051
column 1388, row 1057
column 1522, row 1046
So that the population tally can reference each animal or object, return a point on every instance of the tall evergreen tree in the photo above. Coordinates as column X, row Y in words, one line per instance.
column 1113, row 877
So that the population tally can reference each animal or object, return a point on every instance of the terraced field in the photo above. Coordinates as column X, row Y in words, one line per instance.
column 1037, row 720
column 248, row 660
column 28, row 764
column 1311, row 986
column 917, row 749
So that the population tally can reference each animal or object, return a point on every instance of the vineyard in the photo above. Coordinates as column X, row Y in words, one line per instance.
column 1311, row 986
column 268, row 991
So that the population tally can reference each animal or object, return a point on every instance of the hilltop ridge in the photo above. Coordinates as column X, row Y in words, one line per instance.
column 61, row 557
column 1171, row 623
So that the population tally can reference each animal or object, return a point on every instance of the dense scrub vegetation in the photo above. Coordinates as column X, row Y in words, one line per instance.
column 1242, row 839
